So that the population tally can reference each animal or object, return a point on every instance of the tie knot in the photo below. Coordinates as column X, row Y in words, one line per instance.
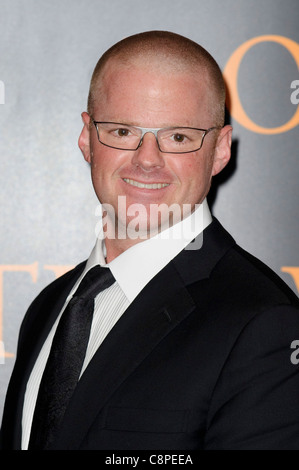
column 95, row 281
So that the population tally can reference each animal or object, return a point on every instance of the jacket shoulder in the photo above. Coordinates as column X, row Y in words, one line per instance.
column 252, row 276
column 236, row 283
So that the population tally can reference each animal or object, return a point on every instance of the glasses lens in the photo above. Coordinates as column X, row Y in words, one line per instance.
column 119, row 135
column 180, row 139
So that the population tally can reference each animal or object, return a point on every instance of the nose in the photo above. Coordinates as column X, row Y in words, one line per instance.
column 148, row 155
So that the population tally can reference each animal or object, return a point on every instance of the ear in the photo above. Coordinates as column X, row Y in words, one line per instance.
column 222, row 150
column 84, row 141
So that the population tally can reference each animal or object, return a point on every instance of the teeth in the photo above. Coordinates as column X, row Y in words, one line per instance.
column 146, row 186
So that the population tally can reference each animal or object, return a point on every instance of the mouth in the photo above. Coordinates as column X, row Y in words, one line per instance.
column 138, row 184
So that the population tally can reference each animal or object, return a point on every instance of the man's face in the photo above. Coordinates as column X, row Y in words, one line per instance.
column 153, row 99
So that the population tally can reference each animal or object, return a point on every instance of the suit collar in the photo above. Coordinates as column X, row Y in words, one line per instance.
column 147, row 258
column 161, row 306
column 199, row 258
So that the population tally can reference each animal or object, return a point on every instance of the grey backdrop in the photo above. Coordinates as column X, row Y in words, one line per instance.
column 47, row 54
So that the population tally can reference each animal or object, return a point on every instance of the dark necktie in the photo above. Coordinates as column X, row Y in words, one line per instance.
column 66, row 358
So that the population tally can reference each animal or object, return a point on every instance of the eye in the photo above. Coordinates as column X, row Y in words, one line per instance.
column 179, row 138
column 122, row 132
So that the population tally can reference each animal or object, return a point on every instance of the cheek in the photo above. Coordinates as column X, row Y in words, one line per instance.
column 100, row 174
column 96, row 168
column 193, row 171
column 101, row 164
column 195, row 178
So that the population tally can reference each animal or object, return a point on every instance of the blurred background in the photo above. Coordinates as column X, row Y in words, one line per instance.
column 48, row 210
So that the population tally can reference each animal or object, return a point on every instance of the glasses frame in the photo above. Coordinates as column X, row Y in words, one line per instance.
column 152, row 130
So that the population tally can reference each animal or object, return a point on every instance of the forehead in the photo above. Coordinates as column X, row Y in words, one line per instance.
column 151, row 92
column 153, row 66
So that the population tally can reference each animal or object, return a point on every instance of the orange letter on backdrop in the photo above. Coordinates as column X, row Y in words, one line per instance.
column 230, row 74
column 294, row 272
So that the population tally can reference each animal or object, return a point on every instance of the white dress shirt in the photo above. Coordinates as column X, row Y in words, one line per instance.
column 145, row 260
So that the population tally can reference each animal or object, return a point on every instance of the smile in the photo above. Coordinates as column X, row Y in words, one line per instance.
column 146, row 185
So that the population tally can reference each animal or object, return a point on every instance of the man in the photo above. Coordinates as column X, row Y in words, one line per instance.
column 189, row 347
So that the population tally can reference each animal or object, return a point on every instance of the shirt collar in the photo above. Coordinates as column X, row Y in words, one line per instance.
column 136, row 266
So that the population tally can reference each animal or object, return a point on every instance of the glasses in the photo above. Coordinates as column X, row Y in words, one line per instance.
column 169, row 139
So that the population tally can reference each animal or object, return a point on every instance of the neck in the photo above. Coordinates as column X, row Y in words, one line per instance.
column 115, row 247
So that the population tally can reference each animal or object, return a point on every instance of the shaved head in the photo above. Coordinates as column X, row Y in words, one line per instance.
column 164, row 52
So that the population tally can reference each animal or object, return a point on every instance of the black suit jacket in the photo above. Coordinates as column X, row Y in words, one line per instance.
column 200, row 360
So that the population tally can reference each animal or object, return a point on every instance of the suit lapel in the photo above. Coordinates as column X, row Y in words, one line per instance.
column 159, row 308
column 155, row 312
column 194, row 265
column 39, row 319
column 162, row 305
column 48, row 305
